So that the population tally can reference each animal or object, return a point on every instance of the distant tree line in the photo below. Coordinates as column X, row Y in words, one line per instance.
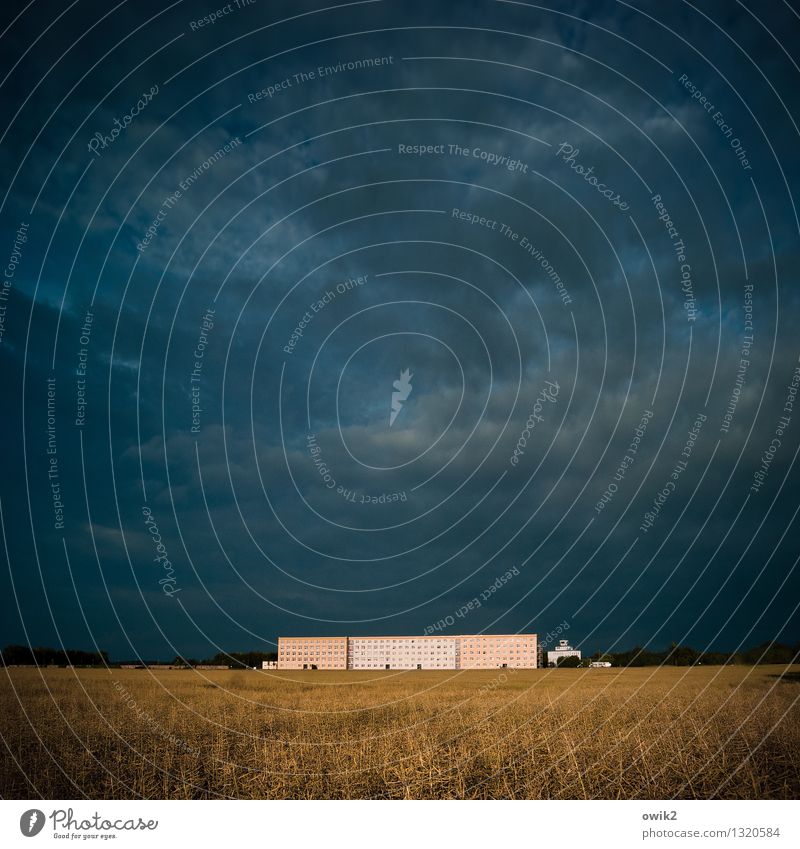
column 14, row 655
column 42, row 656
column 236, row 659
column 677, row 655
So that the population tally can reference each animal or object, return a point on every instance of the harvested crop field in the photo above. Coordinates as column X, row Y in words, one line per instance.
column 699, row 732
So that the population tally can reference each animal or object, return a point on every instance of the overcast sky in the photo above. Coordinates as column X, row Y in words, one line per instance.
column 225, row 239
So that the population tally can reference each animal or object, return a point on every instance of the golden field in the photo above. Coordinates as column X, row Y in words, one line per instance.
column 702, row 732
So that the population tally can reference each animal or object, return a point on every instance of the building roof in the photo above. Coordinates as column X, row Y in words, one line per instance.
column 406, row 637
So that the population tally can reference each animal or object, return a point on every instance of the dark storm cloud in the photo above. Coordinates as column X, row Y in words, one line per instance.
column 315, row 194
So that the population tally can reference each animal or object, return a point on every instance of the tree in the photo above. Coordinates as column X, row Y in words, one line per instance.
column 241, row 660
column 46, row 656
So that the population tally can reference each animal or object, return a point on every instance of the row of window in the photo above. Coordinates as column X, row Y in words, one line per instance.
column 381, row 665
column 467, row 663
column 421, row 652
column 407, row 653
column 294, row 642
column 311, row 651
column 355, row 642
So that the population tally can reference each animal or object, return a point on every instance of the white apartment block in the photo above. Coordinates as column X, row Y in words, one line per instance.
column 475, row 651
column 562, row 650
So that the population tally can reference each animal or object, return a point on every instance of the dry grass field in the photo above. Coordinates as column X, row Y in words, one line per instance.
column 640, row 733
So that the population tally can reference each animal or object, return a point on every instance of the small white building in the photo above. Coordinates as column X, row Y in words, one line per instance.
column 269, row 664
column 562, row 650
column 600, row 664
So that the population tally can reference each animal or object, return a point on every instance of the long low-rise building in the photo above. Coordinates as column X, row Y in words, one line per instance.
column 472, row 651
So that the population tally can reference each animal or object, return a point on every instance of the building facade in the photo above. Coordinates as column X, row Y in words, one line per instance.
column 490, row 651
column 312, row 653
column 473, row 651
column 562, row 650
column 402, row 653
